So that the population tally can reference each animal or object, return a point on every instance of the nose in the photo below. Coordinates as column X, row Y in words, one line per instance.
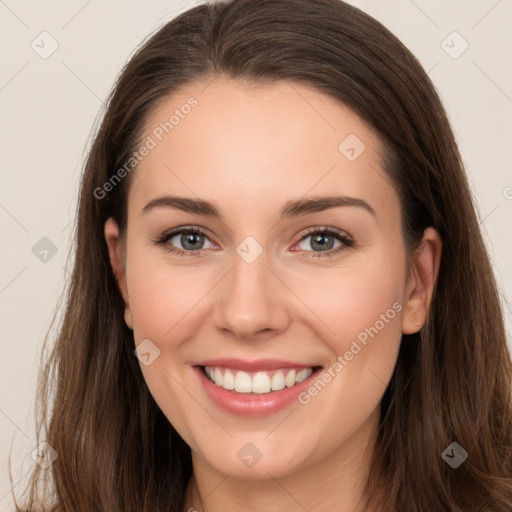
column 253, row 302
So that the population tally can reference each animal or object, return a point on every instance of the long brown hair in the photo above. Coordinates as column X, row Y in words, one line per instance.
column 452, row 382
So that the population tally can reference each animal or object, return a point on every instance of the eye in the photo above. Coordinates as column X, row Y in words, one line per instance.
column 326, row 240
column 193, row 241
column 185, row 241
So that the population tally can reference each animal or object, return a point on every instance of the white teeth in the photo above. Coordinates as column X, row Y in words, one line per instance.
column 303, row 374
column 218, row 377
column 229, row 381
column 277, row 381
column 290, row 379
column 243, row 383
column 259, row 382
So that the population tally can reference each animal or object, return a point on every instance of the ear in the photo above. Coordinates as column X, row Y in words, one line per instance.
column 116, row 254
column 421, row 281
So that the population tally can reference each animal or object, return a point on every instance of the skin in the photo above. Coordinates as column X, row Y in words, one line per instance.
column 250, row 149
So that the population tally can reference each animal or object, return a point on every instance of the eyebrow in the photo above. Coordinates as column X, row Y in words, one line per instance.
column 293, row 208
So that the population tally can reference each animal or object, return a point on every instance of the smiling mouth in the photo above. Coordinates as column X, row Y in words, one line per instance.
column 261, row 382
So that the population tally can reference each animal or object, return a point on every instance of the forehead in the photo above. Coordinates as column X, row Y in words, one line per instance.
column 264, row 144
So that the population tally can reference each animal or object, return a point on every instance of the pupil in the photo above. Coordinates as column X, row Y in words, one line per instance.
column 189, row 240
column 321, row 240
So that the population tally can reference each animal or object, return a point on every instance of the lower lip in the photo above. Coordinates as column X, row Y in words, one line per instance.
column 243, row 404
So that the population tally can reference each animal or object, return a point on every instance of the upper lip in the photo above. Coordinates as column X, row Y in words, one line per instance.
column 254, row 365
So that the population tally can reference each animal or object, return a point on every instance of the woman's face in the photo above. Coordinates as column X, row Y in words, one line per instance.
column 263, row 296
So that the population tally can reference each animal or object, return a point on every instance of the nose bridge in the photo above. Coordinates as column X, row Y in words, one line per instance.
column 251, row 299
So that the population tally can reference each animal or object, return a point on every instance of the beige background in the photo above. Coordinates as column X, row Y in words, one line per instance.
column 48, row 106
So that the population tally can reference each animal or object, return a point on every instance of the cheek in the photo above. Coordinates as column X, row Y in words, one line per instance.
column 358, row 294
column 163, row 300
column 359, row 305
column 161, row 295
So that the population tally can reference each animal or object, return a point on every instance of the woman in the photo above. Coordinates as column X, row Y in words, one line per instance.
column 281, row 298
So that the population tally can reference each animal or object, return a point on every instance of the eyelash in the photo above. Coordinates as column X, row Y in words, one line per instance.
column 346, row 241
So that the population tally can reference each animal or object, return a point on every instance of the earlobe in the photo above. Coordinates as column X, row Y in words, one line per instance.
column 421, row 282
column 112, row 238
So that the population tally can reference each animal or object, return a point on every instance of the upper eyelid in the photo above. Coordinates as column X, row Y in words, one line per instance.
column 323, row 229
